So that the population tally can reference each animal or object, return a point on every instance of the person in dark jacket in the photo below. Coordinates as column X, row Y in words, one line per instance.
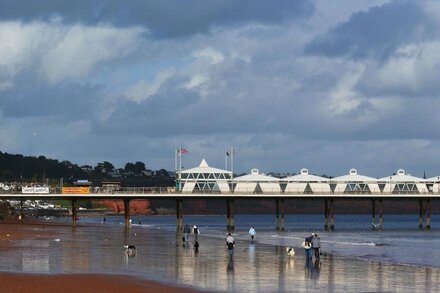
column 196, row 232
column 316, row 245
column 186, row 231
column 307, row 245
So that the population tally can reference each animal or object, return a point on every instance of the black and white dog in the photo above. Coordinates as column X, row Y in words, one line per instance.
column 130, row 250
column 290, row 252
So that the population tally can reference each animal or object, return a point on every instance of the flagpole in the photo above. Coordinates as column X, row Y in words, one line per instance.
column 232, row 162
column 226, row 159
column 180, row 168
column 175, row 160
column 180, row 159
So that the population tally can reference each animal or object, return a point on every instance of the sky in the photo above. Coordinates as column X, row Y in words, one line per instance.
column 323, row 85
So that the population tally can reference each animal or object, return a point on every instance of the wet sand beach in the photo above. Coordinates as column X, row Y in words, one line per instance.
column 13, row 233
column 39, row 283
column 62, row 252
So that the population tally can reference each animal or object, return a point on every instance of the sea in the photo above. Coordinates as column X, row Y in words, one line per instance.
column 354, row 258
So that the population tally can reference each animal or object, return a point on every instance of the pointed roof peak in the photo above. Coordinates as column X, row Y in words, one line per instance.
column 203, row 163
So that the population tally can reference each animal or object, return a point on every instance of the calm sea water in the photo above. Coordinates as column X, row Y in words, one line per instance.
column 399, row 242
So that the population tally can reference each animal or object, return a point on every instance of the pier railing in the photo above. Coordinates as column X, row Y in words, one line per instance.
column 96, row 192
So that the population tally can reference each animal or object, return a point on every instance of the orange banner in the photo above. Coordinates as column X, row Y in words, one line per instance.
column 76, row 190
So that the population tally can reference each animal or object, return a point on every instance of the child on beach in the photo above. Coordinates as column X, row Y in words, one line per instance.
column 230, row 243
column 252, row 232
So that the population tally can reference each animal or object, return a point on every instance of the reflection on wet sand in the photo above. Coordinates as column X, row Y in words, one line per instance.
column 254, row 267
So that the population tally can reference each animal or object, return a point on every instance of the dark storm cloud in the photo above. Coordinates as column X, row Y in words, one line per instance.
column 375, row 33
column 164, row 18
column 34, row 99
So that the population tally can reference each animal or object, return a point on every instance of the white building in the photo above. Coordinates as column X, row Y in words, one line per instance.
column 354, row 183
column 306, row 183
column 204, row 178
column 403, row 183
column 256, row 183
column 433, row 184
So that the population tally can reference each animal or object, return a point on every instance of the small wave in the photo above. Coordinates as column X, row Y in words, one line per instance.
column 334, row 242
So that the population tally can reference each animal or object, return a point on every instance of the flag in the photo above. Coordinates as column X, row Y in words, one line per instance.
column 182, row 151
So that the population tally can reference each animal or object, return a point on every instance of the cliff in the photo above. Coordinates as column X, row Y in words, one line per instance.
column 137, row 207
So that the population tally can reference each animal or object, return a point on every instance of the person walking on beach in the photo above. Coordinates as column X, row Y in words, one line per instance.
column 316, row 244
column 186, row 231
column 230, row 243
column 307, row 245
column 252, row 232
column 196, row 232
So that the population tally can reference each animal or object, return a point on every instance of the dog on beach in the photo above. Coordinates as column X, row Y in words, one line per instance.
column 130, row 250
column 290, row 252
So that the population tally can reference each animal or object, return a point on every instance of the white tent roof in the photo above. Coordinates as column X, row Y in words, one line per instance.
column 204, row 168
column 304, row 176
column 255, row 176
column 401, row 176
column 434, row 179
column 354, row 176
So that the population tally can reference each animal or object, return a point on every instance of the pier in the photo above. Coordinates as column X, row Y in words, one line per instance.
column 205, row 182
column 328, row 202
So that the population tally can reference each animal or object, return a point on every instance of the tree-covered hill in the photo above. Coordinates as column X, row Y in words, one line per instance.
column 15, row 166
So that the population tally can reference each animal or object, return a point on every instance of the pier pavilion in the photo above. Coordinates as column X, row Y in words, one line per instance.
column 204, row 178
column 305, row 183
column 256, row 183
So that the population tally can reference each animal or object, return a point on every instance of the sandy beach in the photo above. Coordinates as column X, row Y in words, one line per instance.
column 39, row 283
column 90, row 258
column 12, row 232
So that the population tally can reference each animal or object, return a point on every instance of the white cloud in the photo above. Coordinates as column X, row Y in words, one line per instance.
column 81, row 48
column 343, row 98
column 144, row 89
column 61, row 52
column 413, row 70
column 21, row 43
column 212, row 55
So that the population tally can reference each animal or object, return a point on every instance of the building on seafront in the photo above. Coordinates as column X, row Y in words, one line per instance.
column 305, row 183
column 204, row 178
column 255, row 182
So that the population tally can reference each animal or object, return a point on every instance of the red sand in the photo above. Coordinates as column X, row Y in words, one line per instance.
column 11, row 282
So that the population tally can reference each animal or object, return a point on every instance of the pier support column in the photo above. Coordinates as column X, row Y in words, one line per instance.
column 420, row 214
column 21, row 216
column 179, row 214
column 428, row 214
column 279, row 204
column 127, row 212
column 326, row 214
column 230, row 215
column 74, row 217
column 332, row 214
column 380, row 214
column 373, row 214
